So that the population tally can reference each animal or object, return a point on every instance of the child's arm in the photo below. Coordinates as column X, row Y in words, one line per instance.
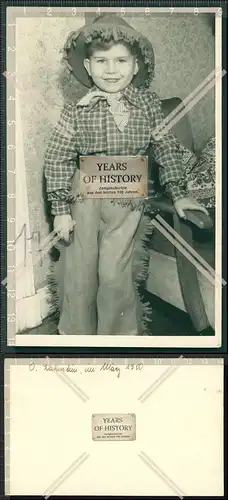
column 168, row 156
column 60, row 161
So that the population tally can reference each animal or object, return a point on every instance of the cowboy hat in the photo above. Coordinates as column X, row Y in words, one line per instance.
column 104, row 27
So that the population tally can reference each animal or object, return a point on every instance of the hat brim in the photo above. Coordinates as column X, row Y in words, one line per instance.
column 75, row 52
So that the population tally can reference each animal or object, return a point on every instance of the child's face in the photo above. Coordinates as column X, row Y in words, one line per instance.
column 112, row 70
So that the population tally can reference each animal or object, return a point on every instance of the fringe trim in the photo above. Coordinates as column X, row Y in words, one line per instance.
column 132, row 204
column 140, row 273
column 53, row 288
column 140, row 270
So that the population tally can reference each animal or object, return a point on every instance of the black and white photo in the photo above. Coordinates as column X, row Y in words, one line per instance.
column 117, row 206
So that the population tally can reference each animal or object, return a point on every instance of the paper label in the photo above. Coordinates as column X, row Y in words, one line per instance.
column 114, row 427
column 123, row 177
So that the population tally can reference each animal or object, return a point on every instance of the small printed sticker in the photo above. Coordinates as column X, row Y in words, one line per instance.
column 123, row 177
column 114, row 427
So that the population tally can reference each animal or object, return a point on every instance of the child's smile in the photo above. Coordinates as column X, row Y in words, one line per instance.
column 112, row 70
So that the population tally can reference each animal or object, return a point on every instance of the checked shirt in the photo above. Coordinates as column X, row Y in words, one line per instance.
column 91, row 130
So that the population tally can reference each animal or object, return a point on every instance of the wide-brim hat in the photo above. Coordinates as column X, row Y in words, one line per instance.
column 106, row 27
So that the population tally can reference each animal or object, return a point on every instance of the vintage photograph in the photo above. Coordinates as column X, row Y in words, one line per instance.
column 97, row 91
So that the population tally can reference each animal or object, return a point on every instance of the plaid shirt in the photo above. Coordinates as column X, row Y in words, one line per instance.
column 88, row 130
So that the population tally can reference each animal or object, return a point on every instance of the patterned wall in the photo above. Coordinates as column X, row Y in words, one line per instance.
column 184, row 49
column 39, row 42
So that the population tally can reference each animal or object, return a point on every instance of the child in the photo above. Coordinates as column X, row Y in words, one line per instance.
column 98, row 275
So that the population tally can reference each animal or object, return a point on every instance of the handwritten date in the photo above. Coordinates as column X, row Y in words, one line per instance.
column 106, row 367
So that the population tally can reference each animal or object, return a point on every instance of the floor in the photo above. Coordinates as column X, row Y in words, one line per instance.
column 165, row 320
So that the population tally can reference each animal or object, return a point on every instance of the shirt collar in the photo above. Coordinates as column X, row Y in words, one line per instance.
column 130, row 93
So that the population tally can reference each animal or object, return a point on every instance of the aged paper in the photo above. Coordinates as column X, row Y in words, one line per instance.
column 112, row 426
column 114, row 177
column 178, row 408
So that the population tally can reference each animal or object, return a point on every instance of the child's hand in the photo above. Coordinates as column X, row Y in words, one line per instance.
column 188, row 204
column 63, row 225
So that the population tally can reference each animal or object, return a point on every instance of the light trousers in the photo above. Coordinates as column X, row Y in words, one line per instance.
column 95, row 272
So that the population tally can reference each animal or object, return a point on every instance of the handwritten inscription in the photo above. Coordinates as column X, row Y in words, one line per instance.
column 111, row 368
column 35, row 238
column 107, row 367
column 68, row 368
